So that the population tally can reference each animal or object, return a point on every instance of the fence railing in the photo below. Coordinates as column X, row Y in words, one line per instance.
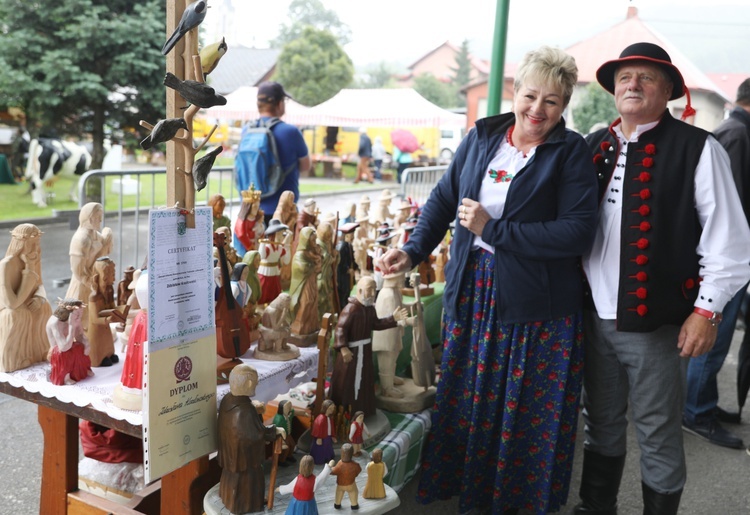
column 417, row 183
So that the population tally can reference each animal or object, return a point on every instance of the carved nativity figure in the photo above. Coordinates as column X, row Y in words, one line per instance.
column 24, row 309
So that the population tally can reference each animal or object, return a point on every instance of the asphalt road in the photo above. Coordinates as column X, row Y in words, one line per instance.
column 717, row 477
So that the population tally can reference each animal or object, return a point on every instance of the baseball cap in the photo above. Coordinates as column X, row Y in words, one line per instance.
column 271, row 92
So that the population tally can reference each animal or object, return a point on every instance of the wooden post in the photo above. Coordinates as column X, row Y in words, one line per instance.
column 60, row 461
column 175, row 103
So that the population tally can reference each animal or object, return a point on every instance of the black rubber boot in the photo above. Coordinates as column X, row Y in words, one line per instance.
column 655, row 503
column 600, row 483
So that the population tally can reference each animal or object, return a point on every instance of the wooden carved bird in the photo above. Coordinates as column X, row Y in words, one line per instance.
column 195, row 92
column 203, row 166
column 211, row 55
column 192, row 16
column 163, row 131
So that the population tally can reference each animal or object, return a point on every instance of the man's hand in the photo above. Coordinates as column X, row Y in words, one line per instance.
column 697, row 336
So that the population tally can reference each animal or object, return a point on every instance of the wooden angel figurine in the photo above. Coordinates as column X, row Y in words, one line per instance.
column 128, row 392
column 346, row 472
column 275, row 329
column 274, row 253
column 242, row 444
column 24, row 309
column 304, row 486
column 324, row 433
column 69, row 351
column 249, row 226
column 87, row 245
column 376, row 471
column 357, row 430
column 306, row 266
column 103, row 312
column 287, row 213
column 217, row 204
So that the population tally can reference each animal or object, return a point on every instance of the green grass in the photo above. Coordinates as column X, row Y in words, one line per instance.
column 17, row 203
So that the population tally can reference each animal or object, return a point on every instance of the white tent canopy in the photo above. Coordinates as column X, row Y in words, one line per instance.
column 400, row 107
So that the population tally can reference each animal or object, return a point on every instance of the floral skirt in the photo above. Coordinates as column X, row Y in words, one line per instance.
column 504, row 425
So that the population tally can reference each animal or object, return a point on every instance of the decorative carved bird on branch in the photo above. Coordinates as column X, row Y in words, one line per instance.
column 163, row 131
column 192, row 16
column 211, row 55
column 195, row 92
column 203, row 166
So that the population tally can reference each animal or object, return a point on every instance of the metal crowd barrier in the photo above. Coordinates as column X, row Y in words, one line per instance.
column 417, row 183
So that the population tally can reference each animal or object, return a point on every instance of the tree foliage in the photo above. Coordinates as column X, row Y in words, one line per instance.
column 595, row 106
column 439, row 93
column 376, row 76
column 304, row 13
column 314, row 67
column 78, row 66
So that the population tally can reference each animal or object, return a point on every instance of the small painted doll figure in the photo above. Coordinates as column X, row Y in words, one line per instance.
column 304, row 486
column 356, row 432
column 323, row 433
column 376, row 471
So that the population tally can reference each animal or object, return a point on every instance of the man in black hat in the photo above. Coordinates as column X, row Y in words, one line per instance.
column 290, row 144
column 701, row 404
column 671, row 249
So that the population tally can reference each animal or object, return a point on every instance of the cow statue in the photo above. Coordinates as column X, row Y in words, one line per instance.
column 51, row 157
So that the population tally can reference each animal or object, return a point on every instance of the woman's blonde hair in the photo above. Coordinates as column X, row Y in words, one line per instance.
column 549, row 67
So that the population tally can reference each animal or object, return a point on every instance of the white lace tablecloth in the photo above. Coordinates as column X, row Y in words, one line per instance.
column 274, row 378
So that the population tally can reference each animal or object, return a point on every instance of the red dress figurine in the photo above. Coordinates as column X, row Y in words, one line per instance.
column 69, row 352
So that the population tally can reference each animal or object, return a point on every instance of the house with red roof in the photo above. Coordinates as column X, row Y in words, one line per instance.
column 440, row 63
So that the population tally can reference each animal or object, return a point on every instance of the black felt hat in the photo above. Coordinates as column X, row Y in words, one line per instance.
column 642, row 52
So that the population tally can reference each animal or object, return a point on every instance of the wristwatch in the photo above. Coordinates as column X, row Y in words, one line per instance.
column 713, row 316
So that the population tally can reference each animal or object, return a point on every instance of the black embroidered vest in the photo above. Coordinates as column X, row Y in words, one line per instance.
column 659, row 270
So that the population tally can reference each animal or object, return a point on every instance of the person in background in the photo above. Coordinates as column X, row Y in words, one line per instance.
column 702, row 414
column 290, row 144
column 365, row 154
column 504, row 425
column 671, row 249
column 403, row 160
column 378, row 154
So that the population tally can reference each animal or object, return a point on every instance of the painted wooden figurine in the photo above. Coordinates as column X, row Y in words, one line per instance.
column 102, row 313
column 346, row 472
column 353, row 378
column 329, row 258
column 69, row 351
column 128, row 392
column 306, row 266
column 308, row 217
column 376, row 471
column 284, row 418
column 304, row 486
column 229, row 252
column 249, row 226
column 24, row 309
column 274, row 253
column 324, row 433
column 345, row 265
column 387, row 344
column 217, row 204
column 275, row 329
column 87, row 245
column 357, row 431
column 287, row 212
column 252, row 260
column 242, row 443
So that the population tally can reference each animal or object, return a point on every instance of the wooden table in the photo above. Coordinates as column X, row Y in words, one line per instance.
column 180, row 492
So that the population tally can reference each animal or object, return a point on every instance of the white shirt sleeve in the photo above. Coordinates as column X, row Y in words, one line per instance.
column 321, row 478
column 289, row 488
column 724, row 246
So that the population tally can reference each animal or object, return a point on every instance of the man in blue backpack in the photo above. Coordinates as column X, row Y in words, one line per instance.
column 290, row 145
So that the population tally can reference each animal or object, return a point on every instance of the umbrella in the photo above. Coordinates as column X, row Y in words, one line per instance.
column 404, row 140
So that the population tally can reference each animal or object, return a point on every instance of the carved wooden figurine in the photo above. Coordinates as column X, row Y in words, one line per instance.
column 87, row 245
column 324, row 433
column 283, row 419
column 360, row 245
column 24, row 309
column 387, row 344
column 381, row 212
column 231, row 255
column 346, row 472
column 69, row 351
column 308, row 217
column 363, row 209
column 102, row 313
column 357, row 431
column 376, row 471
column 274, row 253
column 217, row 203
column 242, row 442
column 345, row 266
column 402, row 214
column 249, row 226
column 128, row 392
column 275, row 330
column 287, row 212
column 252, row 260
column 304, row 486
column 304, row 288
column 328, row 261
column 353, row 378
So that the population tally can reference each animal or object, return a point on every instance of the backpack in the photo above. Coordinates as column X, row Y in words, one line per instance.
column 257, row 160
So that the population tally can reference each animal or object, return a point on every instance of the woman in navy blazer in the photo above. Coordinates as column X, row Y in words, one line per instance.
column 522, row 189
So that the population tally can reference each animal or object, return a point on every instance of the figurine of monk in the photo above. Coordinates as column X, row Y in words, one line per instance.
column 376, row 471
column 306, row 266
column 287, row 212
column 387, row 344
column 242, row 443
column 103, row 312
column 275, row 329
column 24, row 309
column 69, row 351
column 89, row 243
column 328, row 262
column 353, row 378
column 274, row 253
column 218, row 204
column 346, row 472
column 249, row 226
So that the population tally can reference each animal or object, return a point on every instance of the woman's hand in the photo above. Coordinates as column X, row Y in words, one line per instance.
column 473, row 216
column 394, row 261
